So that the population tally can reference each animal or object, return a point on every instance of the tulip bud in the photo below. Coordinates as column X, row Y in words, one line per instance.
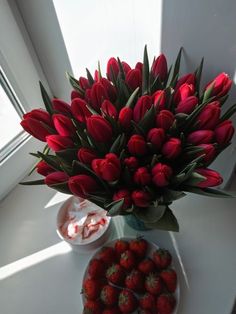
column 141, row 198
column 187, row 105
column 188, row 79
column 165, row 119
column 161, row 174
column 159, row 99
column 98, row 95
column 139, row 66
column 41, row 115
column 56, row 178
column 75, row 94
column 137, row 145
column 209, row 116
column 61, row 106
column 37, row 128
column 213, row 178
column 125, row 194
column 99, row 128
column 143, row 104
column 109, row 109
column 58, row 142
column 84, row 83
column 125, row 117
column 110, row 89
column 126, row 67
column 86, row 155
column 82, row 185
column 134, row 79
column 184, row 91
column 172, row 148
column 63, row 125
column 112, row 69
column 156, row 136
column 200, row 137
column 43, row 168
column 224, row 132
column 159, row 67
column 142, row 176
column 131, row 162
column 221, row 85
column 108, row 169
column 79, row 110
column 209, row 150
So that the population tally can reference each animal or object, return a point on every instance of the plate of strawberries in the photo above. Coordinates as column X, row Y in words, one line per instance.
column 130, row 275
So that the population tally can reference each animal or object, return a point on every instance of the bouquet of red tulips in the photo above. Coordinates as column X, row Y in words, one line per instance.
column 136, row 140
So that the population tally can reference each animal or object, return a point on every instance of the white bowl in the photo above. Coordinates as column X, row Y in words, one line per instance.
column 71, row 216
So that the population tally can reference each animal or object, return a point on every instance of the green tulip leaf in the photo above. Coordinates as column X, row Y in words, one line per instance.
column 150, row 214
column 46, row 99
column 167, row 222
column 198, row 74
column 90, row 78
column 172, row 195
column 115, row 208
column 194, row 179
column 68, row 155
column 175, row 73
column 207, row 192
column 131, row 101
column 61, row 187
column 148, row 121
column 34, row 182
column 75, row 84
column 145, row 73
column 228, row 113
column 51, row 160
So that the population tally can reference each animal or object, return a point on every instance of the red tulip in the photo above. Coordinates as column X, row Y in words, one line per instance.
column 63, row 125
column 99, row 128
column 112, row 69
column 142, row 176
column 125, row 194
column 209, row 116
column 41, row 115
column 141, row 198
column 209, row 150
column 125, row 117
column 97, row 95
column 139, row 66
column 187, row 105
column 143, row 104
column 222, row 85
column 56, row 178
column 159, row 67
column 172, row 148
column 82, row 185
column 188, row 79
column 213, row 178
column 200, row 137
column 134, row 79
column 80, row 110
column 159, row 99
column 43, row 168
column 156, row 136
column 110, row 89
column 165, row 119
column 84, row 83
column 75, row 94
column 109, row 109
column 137, row 145
column 131, row 162
column 61, row 106
column 108, row 169
column 126, row 67
column 224, row 132
column 58, row 142
column 86, row 155
column 161, row 174
column 184, row 91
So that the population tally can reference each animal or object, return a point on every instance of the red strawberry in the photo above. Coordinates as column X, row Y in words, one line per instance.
column 92, row 307
column 91, row 289
column 139, row 247
column 116, row 274
column 135, row 281
column 170, row 279
column 165, row 304
column 112, row 310
column 127, row 301
column 146, row 266
column 128, row 260
column 121, row 246
column 96, row 268
column 153, row 284
column 162, row 258
column 107, row 255
column 109, row 295
column 147, row 302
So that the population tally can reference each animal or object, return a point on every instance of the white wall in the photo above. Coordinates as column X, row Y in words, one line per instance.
column 204, row 28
